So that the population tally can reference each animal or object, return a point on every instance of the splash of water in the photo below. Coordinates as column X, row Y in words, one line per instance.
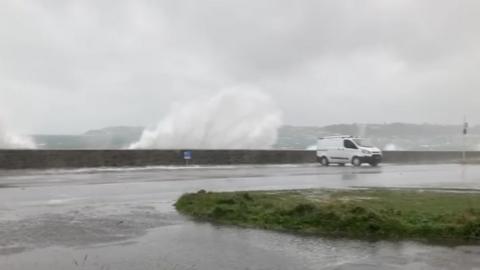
column 362, row 130
column 9, row 140
column 240, row 118
column 391, row 147
column 311, row 147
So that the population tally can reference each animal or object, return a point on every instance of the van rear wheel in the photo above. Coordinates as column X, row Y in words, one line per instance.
column 324, row 161
column 356, row 162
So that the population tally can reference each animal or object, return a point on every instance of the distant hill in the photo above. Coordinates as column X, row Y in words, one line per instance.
column 106, row 138
column 393, row 136
column 120, row 131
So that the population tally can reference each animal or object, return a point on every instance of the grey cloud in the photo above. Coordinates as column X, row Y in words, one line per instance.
column 67, row 66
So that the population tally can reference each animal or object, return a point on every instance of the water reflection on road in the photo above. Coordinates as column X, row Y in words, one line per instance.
column 124, row 219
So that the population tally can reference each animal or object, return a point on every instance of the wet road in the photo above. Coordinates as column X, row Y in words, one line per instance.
column 124, row 219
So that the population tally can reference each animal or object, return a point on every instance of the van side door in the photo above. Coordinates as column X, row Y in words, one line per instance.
column 350, row 149
column 337, row 154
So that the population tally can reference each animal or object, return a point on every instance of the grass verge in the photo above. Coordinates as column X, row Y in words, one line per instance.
column 362, row 214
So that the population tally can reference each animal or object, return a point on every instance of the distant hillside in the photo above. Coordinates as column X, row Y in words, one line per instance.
column 106, row 138
column 394, row 136
column 120, row 131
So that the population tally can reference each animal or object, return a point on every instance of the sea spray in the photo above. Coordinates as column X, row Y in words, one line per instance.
column 10, row 140
column 312, row 147
column 362, row 130
column 391, row 147
column 239, row 118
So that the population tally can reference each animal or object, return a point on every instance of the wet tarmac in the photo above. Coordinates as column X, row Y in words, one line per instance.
column 124, row 219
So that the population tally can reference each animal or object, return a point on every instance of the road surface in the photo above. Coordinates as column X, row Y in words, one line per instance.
column 124, row 219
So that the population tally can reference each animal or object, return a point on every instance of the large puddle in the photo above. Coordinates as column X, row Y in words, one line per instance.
column 203, row 246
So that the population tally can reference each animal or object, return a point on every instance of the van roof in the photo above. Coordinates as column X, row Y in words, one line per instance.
column 336, row 137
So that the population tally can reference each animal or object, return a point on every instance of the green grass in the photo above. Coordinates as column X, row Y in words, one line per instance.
column 365, row 214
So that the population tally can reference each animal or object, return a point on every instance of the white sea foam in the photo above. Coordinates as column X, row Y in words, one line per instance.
column 391, row 147
column 311, row 147
column 9, row 140
column 240, row 118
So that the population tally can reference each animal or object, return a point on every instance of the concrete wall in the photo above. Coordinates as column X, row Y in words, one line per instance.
column 44, row 159
column 429, row 156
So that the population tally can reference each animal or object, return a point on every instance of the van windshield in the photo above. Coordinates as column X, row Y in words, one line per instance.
column 362, row 142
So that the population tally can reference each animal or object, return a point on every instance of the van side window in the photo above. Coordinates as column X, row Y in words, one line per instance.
column 349, row 144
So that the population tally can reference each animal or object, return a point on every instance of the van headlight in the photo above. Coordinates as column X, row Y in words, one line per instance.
column 366, row 152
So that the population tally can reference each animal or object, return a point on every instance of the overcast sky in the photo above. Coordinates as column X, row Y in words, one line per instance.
column 68, row 66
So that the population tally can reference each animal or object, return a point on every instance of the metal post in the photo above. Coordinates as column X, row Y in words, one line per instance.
column 465, row 132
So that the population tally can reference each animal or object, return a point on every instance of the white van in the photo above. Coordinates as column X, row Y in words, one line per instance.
column 347, row 149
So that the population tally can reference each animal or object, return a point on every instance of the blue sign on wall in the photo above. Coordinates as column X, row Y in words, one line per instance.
column 187, row 155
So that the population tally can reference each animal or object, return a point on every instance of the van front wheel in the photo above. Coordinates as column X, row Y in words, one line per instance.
column 356, row 162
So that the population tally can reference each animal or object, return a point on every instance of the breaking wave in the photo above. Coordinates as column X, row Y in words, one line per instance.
column 9, row 140
column 240, row 118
